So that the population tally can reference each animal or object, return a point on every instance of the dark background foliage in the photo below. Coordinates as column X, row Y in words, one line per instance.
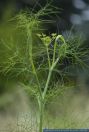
column 72, row 12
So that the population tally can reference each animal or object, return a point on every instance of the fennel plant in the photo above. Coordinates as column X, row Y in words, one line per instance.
column 26, row 55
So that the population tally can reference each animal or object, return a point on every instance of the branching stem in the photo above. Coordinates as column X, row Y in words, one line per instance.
column 49, row 77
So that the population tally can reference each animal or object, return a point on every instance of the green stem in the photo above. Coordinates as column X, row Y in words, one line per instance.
column 49, row 63
column 30, row 47
column 41, row 100
column 35, row 73
column 49, row 77
column 41, row 111
column 54, row 52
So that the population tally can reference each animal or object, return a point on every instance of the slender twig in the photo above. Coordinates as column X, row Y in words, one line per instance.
column 49, row 77
column 49, row 63
column 31, row 60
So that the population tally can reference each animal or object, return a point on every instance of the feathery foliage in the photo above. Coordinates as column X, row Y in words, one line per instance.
column 39, row 61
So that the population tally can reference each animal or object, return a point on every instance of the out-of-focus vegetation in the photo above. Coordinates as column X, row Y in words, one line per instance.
column 26, row 56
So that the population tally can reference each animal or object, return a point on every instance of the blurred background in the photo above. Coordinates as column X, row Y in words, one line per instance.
column 73, row 15
column 72, row 12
